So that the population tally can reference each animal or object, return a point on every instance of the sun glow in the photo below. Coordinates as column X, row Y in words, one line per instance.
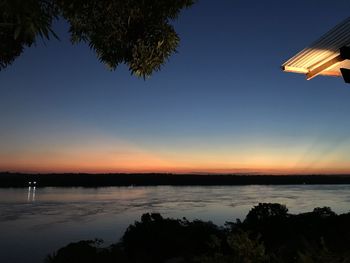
column 99, row 153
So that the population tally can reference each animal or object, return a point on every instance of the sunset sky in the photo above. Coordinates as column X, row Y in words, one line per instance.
column 222, row 104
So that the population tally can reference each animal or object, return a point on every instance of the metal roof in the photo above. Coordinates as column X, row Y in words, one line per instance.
column 323, row 56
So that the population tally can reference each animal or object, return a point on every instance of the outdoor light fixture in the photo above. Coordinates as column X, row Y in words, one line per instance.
column 329, row 55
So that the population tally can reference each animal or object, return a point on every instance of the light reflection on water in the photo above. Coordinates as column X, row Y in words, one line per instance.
column 35, row 221
column 31, row 194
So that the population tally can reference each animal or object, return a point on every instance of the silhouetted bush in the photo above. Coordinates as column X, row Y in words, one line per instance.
column 266, row 211
column 156, row 239
column 83, row 251
column 269, row 234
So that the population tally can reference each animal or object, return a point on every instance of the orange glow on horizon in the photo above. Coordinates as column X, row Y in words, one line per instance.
column 108, row 155
column 142, row 167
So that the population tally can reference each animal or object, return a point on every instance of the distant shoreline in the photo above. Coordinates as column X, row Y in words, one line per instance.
column 8, row 179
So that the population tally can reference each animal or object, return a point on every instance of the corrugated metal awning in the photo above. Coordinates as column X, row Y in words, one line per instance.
column 323, row 56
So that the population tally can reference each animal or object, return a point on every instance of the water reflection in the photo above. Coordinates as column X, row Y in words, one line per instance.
column 31, row 194
column 45, row 222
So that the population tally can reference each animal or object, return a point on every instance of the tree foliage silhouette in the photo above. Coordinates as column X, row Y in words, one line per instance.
column 274, row 236
column 266, row 211
column 137, row 33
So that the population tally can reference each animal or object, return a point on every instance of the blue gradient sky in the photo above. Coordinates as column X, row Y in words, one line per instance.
column 221, row 104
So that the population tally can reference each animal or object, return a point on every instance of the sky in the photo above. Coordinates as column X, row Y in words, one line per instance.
column 220, row 105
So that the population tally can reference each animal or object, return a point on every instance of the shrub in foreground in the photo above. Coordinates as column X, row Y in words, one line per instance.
column 268, row 234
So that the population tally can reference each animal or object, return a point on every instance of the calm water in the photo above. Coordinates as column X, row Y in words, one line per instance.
column 34, row 223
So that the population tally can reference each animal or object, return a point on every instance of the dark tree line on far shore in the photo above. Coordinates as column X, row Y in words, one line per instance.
column 151, row 179
column 268, row 234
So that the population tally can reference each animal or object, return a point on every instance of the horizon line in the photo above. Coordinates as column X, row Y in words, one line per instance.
column 178, row 173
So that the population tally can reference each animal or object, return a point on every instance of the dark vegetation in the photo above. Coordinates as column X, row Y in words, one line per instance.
column 137, row 33
column 96, row 180
column 268, row 234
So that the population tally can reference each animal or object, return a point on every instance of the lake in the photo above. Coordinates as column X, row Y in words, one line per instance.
column 35, row 222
